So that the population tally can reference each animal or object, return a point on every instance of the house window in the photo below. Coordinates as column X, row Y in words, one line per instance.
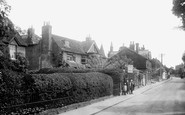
column 71, row 58
column 83, row 60
column 13, row 50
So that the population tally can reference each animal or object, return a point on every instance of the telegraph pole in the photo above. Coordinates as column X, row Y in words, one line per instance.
column 162, row 58
column 161, row 65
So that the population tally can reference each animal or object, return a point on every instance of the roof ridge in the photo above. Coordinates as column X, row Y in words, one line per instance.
column 65, row 37
column 135, row 52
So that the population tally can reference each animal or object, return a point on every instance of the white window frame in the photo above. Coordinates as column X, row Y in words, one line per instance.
column 13, row 51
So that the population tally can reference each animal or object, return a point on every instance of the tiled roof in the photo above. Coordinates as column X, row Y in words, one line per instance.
column 18, row 39
column 74, row 46
column 112, row 53
column 102, row 51
column 138, row 60
column 87, row 44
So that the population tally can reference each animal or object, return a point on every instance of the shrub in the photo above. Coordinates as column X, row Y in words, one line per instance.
column 10, row 88
column 82, row 86
column 51, row 86
column 62, row 70
column 19, row 88
column 90, row 85
column 116, row 74
column 19, row 65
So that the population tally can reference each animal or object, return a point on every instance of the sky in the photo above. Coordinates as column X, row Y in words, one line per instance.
column 147, row 22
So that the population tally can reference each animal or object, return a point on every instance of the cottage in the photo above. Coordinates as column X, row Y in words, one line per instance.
column 42, row 52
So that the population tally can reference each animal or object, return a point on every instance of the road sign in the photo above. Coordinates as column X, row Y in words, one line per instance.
column 130, row 68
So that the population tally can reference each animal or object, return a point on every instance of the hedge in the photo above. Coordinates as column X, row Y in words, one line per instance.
column 23, row 88
column 51, row 86
column 10, row 85
column 116, row 74
column 83, row 86
column 61, row 70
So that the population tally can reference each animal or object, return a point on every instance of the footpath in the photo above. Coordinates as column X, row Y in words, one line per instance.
column 92, row 109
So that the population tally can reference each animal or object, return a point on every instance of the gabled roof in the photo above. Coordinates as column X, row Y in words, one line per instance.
column 20, row 41
column 12, row 34
column 112, row 53
column 87, row 45
column 17, row 38
column 74, row 46
column 138, row 61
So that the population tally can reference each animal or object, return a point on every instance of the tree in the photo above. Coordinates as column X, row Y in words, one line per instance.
column 179, row 11
column 4, row 8
column 7, row 30
column 183, row 57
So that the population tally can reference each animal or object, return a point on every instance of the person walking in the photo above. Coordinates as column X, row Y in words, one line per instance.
column 124, row 87
column 132, row 86
column 128, row 86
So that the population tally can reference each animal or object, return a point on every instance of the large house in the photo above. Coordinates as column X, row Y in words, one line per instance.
column 41, row 52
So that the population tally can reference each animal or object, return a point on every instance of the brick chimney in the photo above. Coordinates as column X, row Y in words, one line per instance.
column 46, row 58
column 30, row 32
column 88, row 38
column 46, row 38
column 132, row 46
column 137, row 47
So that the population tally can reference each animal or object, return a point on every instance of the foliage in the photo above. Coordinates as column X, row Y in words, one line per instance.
column 11, row 90
column 179, row 10
column 118, row 61
column 87, row 86
column 19, row 65
column 155, row 63
column 61, row 70
column 59, row 61
column 95, row 61
column 117, row 76
column 183, row 58
column 51, row 86
column 22, row 63
column 4, row 8
column 25, row 88
column 20, row 31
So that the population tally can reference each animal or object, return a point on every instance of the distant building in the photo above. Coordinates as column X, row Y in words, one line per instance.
column 134, row 47
column 111, row 52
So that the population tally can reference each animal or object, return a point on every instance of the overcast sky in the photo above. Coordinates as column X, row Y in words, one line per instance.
column 148, row 22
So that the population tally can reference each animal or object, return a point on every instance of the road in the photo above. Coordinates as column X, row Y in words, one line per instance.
column 165, row 99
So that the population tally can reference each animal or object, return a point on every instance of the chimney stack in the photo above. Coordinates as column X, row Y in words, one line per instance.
column 30, row 33
column 137, row 47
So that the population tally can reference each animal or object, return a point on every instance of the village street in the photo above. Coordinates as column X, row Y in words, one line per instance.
column 162, row 98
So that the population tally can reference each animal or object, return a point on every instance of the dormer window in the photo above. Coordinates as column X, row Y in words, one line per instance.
column 66, row 44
